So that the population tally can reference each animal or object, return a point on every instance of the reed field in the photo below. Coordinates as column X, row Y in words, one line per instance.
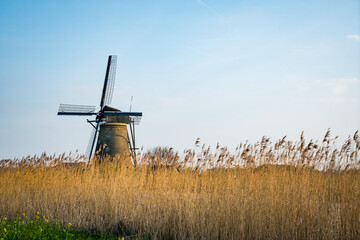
column 266, row 190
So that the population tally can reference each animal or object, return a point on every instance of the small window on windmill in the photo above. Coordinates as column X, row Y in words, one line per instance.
column 108, row 137
column 107, row 149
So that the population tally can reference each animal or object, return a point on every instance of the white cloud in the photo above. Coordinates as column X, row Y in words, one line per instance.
column 338, row 86
column 354, row 36
column 337, row 100
column 339, row 90
column 331, row 100
column 202, row 3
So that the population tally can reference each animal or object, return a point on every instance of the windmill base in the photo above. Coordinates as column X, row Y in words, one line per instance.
column 113, row 140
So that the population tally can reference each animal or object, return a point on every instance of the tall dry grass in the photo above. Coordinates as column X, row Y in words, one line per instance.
column 283, row 190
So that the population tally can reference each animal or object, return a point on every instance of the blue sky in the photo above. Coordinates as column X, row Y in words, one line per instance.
column 224, row 71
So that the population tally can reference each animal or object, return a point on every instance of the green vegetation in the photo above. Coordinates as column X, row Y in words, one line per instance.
column 41, row 228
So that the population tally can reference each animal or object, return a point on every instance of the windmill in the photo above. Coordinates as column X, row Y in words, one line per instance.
column 110, row 126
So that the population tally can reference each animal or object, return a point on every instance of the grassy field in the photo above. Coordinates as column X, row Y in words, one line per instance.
column 281, row 190
column 39, row 227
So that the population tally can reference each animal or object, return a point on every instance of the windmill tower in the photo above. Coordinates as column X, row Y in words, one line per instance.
column 110, row 126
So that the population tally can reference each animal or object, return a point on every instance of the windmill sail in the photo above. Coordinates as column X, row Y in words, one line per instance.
column 108, row 88
column 90, row 147
column 71, row 109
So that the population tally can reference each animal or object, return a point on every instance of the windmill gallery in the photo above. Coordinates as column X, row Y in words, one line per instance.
column 110, row 126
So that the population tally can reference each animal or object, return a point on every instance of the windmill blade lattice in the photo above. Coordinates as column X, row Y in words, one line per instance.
column 71, row 109
column 92, row 140
column 111, row 82
column 108, row 88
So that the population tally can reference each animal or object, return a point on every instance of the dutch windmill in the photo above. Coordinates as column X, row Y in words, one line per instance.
column 110, row 126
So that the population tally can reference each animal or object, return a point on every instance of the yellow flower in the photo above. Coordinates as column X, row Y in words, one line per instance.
column 70, row 224
column 5, row 218
column 37, row 213
column 5, row 230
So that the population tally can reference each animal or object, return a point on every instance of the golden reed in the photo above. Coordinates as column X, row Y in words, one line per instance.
column 285, row 190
